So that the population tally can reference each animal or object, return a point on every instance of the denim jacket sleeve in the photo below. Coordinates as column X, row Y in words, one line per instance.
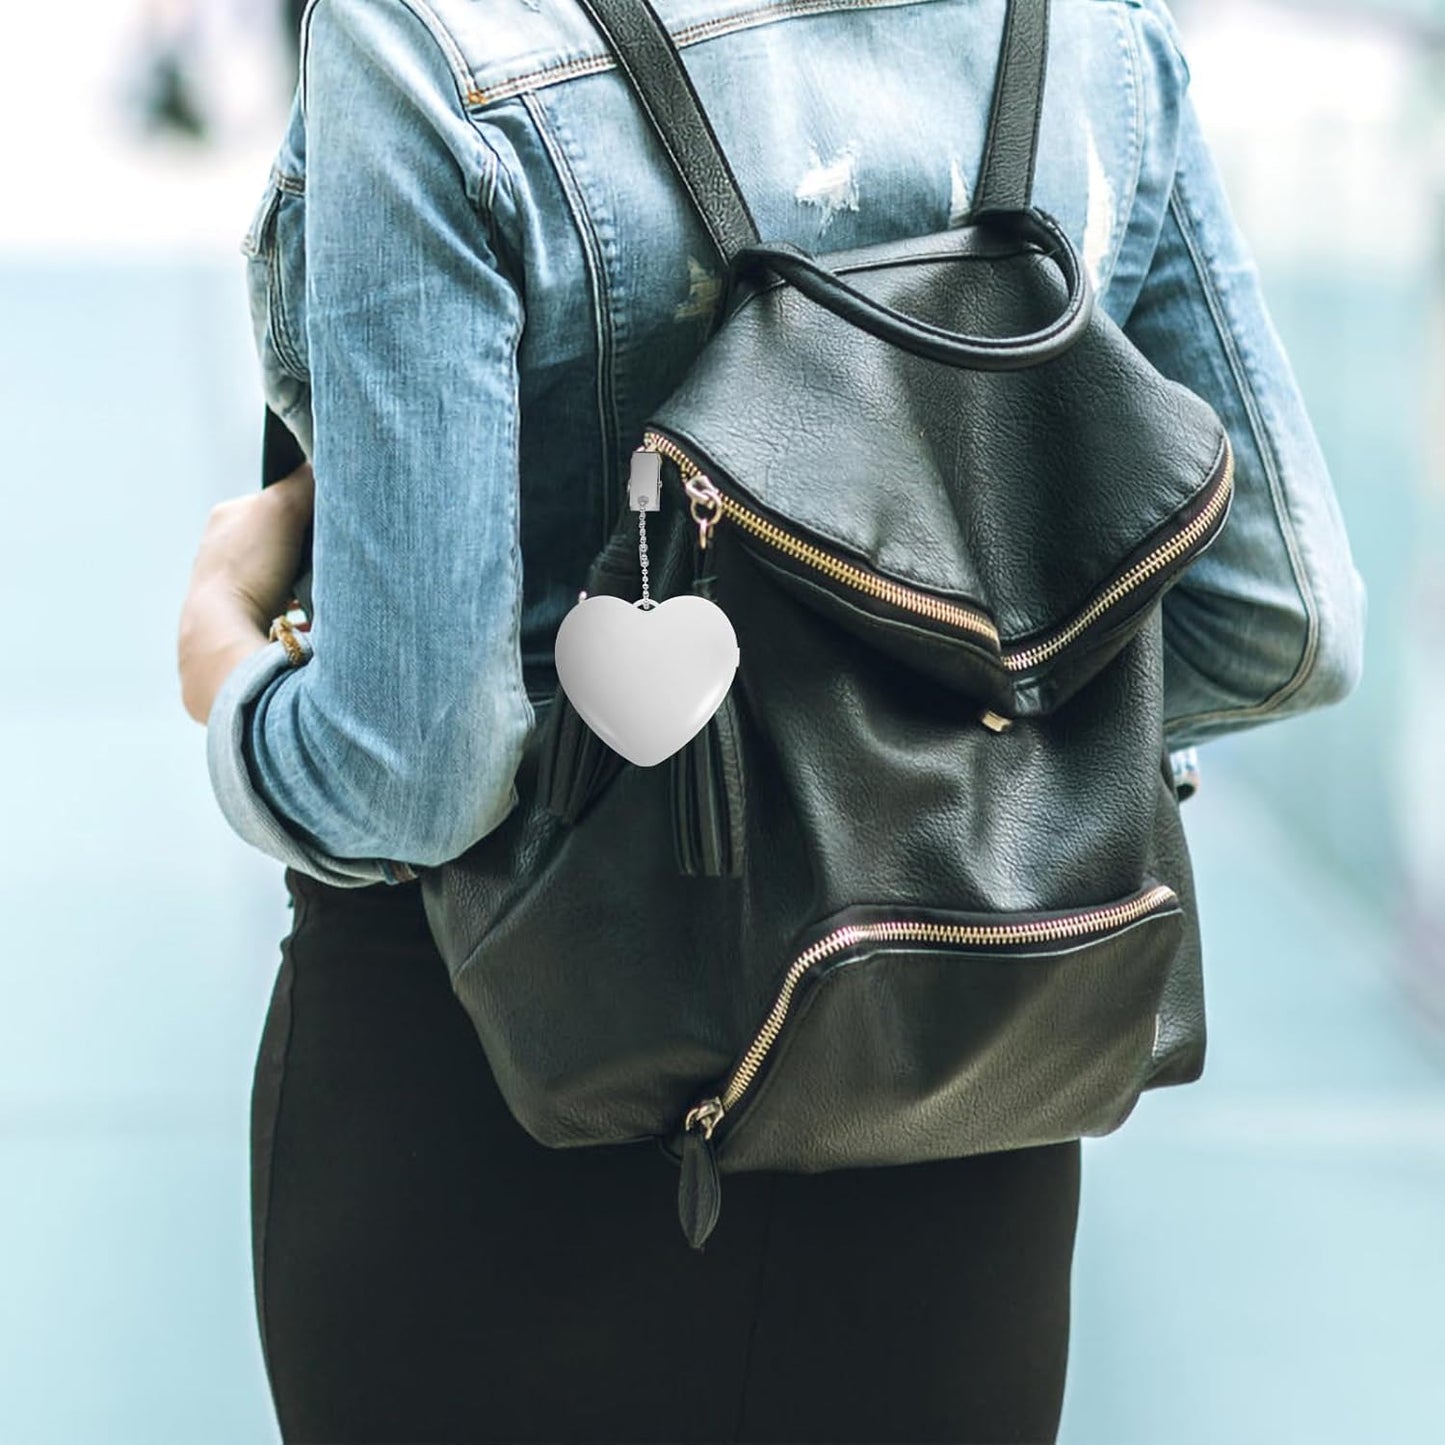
column 1269, row 622
column 396, row 740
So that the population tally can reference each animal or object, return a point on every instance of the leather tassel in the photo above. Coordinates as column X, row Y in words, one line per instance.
column 574, row 763
column 699, row 1189
column 708, row 790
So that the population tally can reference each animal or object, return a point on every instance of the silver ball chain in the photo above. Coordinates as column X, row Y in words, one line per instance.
column 645, row 600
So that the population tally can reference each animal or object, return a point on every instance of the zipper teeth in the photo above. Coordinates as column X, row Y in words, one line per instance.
column 1041, row 931
column 966, row 618
column 1181, row 543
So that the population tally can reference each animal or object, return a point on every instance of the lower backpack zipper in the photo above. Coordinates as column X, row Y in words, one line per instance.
column 709, row 504
column 699, row 1189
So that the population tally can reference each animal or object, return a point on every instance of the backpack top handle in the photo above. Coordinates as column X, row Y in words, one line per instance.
column 649, row 59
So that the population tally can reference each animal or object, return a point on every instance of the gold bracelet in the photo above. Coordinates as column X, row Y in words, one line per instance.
column 283, row 630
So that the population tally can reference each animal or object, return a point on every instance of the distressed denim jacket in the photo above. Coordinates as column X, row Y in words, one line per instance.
column 473, row 274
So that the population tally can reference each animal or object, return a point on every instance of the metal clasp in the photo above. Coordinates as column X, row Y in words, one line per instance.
column 702, row 493
column 704, row 1116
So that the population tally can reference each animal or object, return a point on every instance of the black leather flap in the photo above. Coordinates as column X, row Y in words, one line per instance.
column 1058, row 501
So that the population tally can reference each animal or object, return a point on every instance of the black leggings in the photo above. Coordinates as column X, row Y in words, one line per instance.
column 426, row 1271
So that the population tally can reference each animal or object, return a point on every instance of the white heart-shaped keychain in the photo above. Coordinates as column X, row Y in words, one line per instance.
column 646, row 676
column 645, row 680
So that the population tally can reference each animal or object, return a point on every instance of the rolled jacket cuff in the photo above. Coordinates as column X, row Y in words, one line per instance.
column 241, row 803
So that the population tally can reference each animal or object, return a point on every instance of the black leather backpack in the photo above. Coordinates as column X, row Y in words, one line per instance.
column 919, row 889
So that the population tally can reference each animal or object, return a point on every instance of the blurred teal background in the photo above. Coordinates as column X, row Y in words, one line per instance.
column 1260, row 1254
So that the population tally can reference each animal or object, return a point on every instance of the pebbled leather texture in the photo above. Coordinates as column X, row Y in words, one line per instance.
column 611, row 991
column 919, row 1025
column 1024, row 492
column 624, row 935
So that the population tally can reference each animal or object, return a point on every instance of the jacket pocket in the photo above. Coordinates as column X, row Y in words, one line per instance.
column 259, row 233
column 274, row 247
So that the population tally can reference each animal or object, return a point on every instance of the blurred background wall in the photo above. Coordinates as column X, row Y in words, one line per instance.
column 1259, row 1255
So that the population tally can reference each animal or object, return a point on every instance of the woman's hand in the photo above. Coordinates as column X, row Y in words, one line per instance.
column 251, row 547
column 242, row 577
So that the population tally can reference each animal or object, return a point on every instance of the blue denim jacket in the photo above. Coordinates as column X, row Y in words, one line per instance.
column 473, row 275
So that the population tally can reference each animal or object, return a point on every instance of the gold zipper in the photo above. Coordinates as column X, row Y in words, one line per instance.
column 704, row 493
column 709, row 504
column 1022, row 659
column 706, row 1113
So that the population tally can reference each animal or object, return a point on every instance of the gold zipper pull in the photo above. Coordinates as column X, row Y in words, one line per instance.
column 703, row 494
column 705, row 502
column 704, row 1116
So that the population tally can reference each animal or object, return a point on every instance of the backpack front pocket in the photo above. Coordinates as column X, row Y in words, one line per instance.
column 902, row 1033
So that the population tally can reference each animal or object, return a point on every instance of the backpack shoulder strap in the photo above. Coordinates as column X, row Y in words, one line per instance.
column 1006, row 175
column 649, row 59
